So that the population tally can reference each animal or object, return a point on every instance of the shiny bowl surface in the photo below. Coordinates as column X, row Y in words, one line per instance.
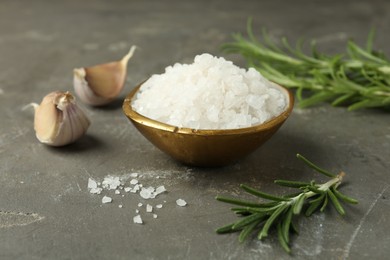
column 206, row 148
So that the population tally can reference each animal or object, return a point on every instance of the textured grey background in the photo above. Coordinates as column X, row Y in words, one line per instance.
column 46, row 211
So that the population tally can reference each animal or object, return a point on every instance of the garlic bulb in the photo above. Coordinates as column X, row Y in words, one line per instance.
column 58, row 120
column 100, row 84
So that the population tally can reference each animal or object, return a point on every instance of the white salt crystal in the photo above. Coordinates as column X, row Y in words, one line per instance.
column 117, row 192
column 136, row 211
column 154, row 215
column 96, row 190
column 120, row 206
column 134, row 181
column 134, row 175
column 92, row 184
column 210, row 93
column 147, row 193
column 106, row 199
column 140, row 204
column 127, row 189
column 181, row 202
column 159, row 190
column 111, row 182
column 137, row 219
column 149, row 208
column 159, row 206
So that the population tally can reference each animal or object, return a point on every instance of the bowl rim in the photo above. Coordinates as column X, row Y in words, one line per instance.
column 146, row 121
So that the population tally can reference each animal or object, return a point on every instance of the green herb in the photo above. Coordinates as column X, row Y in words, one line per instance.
column 279, row 212
column 360, row 78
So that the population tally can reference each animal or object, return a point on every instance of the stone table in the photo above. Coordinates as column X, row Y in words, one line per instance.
column 46, row 210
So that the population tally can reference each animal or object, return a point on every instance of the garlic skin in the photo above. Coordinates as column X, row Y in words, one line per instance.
column 101, row 84
column 58, row 120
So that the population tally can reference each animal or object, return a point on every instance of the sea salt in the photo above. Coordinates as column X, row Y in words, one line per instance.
column 154, row 215
column 210, row 93
column 133, row 181
column 159, row 206
column 106, row 199
column 111, row 182
column 181, row 202
column 137, row 219
column 147, row 193
column 149, row 208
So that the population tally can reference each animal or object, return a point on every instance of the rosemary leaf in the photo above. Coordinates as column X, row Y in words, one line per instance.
column 247, row 230
column 282, row 240
column 270, row 221
column 286, row 224
column 237, row 202
column 336, row 203
column 314, row 205
column 298, row 205
column 262, row 194
column 292, row 184
column 247, row 220
column 225, row 229
column 315, row 167
column 344, row 197
column 325, row 202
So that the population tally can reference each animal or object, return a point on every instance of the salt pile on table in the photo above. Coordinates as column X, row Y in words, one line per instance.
column 210, row 93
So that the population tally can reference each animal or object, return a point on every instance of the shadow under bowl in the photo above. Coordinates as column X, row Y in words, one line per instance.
column 205, row 148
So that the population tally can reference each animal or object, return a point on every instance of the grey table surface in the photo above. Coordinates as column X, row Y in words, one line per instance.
column 46, row 211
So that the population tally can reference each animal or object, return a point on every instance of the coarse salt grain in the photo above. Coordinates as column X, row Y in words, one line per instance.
column 137, row 219
column 181, row 202
column 159, row 206
column 210, row 93
column 134, row 181
column 154, row 215
column 106, row 199
column 149, row 208
column 111, row 182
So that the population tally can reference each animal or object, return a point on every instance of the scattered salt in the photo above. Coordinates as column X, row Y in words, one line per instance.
column 117, row 192
column 147, row 193
column 137, row 219
column 106, row 199
column 140, row 204
column 127, row 189
column 96, row 190
column 134, row 181
column 160, row 190
column 210, row 93
column 149, row 208
column 159, row 206
column 92, row 184
column 120, row 206
column 111, row 182
column 154, row 215
column 134, row 175
column 181, row 202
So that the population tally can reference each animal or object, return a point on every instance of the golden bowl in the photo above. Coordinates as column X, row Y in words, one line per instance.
column 207, row 148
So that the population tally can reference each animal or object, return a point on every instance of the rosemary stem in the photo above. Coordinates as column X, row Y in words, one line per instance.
column 336, row 181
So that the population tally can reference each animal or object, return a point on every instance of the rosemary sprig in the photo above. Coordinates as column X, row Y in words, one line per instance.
column 360, row 78
column 279, row 212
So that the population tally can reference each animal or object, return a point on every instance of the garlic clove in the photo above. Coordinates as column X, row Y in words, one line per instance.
column 59, row 120
column 100, row 84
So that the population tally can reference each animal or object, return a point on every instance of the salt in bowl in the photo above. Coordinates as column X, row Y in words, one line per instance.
column 206, row 148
